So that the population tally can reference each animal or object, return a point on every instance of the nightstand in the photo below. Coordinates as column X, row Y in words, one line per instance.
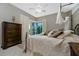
column 74, row 48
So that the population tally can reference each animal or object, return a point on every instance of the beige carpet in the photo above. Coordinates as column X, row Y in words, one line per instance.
column 14, row 51
column 18, row 50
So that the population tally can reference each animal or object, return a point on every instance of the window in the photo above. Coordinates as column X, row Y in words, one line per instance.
column 35, row 27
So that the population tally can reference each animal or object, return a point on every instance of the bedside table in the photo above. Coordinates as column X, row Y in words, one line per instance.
column 74, row 48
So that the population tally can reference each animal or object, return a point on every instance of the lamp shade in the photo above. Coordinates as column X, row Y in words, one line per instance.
column 59, row 20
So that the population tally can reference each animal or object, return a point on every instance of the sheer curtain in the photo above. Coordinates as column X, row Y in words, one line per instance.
column 60, row 19
column 67, row 23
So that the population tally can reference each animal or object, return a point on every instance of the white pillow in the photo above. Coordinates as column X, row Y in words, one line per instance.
column 50, row 33
column 68, row 31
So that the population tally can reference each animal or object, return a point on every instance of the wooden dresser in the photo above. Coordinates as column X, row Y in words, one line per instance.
column 11, row 34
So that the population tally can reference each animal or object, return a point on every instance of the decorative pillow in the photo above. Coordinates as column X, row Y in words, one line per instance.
column 66, row 33
column 61, row 36
column 52, row 32
column 56, row 34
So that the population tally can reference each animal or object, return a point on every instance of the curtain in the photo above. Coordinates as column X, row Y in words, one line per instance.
column 67, row 23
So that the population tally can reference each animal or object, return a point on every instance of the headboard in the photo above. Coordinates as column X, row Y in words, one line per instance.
column 76, row 30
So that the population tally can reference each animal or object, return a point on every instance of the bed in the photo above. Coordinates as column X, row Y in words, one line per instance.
column 49, row 46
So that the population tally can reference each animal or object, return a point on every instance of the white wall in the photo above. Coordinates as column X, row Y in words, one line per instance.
column 25, row 21
column 75, row 18
column 7, row 11
column 51, row 21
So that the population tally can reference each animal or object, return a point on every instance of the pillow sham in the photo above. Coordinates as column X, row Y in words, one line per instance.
column 65, row 34
column 52, row 32
column 56, row 34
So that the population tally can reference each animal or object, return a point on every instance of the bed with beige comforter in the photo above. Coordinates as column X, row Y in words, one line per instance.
column 49, row 46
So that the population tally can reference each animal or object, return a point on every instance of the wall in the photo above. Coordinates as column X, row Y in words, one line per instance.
column 75, row 18
column 6, row 13
column 25, row 21
column 8, row 10
column 51, row 21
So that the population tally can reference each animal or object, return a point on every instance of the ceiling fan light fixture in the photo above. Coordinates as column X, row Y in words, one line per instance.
column 38, row 10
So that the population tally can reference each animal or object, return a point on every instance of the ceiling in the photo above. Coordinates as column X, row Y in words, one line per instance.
column 47, row 8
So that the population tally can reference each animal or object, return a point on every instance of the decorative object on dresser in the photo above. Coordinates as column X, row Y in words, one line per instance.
column 74, row 48
column 11, row 34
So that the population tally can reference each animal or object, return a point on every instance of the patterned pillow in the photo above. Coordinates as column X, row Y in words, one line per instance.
column 51, row 32
column 65, row 33
column 56, row 34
